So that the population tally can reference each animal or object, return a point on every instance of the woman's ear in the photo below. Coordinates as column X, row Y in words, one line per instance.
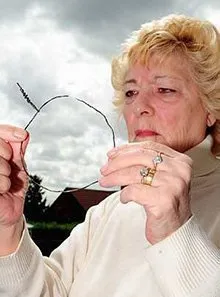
column 210, row 121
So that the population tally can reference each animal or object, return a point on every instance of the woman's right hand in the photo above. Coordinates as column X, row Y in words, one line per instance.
column 13, row 179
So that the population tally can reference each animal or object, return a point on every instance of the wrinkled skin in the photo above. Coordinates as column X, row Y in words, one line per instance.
column 13, row 179
column 13, row 185
column 163, row 113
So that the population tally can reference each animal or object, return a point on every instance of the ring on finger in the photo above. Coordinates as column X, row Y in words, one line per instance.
column 144, row 171
column 157, row 160
column 147, row 175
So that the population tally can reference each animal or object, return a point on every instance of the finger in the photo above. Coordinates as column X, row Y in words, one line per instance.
column 149, row 145
column 173, row 183
column 154, row 200
column 5, row 168
column 130, row 158
column 151, row 199
column 141, row 194
column 5, row 150
column 131, row 175
column 19, row 151
column 5, row 184
column 12, row 133
column 135, row 159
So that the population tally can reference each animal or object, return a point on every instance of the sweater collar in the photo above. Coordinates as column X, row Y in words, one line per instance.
column 204, row 161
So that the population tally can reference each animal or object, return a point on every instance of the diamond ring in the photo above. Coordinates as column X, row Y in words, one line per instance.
column 157, row 160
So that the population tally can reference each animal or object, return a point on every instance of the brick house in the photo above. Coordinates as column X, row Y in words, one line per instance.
column 72, row 207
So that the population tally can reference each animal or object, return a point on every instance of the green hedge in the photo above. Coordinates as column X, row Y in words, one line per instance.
column 49, row 236
column 52, row 226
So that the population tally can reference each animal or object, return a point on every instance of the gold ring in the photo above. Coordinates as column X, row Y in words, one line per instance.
column 147, row 177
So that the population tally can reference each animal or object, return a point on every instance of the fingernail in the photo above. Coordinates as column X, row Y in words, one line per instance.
column 103, row 168
column 19, row 133
column 100, row 181
column 112, row 153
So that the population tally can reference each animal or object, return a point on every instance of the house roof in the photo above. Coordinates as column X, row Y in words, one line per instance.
column 72, row 206
column 85, row 197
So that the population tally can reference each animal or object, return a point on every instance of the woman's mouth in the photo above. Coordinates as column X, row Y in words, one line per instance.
column 145, row 133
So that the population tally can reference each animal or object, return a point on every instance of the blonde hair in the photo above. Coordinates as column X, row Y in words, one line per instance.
column 198, row 41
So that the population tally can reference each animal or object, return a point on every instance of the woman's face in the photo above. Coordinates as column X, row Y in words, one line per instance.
column 161, row 104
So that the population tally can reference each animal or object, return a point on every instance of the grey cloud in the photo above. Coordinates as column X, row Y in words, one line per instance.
column 101, row 26
column 69, row 172
column 67, row 117
column 13, row 10
column 25, row 70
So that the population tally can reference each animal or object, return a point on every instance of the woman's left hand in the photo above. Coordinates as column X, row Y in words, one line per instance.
column 166, row 201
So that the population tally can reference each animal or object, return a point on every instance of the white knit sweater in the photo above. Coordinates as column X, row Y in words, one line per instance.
column 109, row 256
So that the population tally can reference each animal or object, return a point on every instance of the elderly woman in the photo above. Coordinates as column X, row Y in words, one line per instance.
column 160, row 235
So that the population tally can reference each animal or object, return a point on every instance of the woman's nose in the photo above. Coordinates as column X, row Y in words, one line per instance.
column 143, row 105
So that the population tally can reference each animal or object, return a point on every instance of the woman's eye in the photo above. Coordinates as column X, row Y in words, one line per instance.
column 130, row 93
column 166, row 90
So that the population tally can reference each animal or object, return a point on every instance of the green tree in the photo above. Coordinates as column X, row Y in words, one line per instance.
column 35, row 203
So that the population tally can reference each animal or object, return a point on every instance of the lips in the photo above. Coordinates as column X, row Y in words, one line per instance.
column 145, row 133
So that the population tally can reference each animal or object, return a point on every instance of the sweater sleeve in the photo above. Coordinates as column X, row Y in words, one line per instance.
column 187, row 263
column 27, row 273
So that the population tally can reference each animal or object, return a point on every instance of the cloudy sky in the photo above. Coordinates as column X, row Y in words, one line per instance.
column 56, row 47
